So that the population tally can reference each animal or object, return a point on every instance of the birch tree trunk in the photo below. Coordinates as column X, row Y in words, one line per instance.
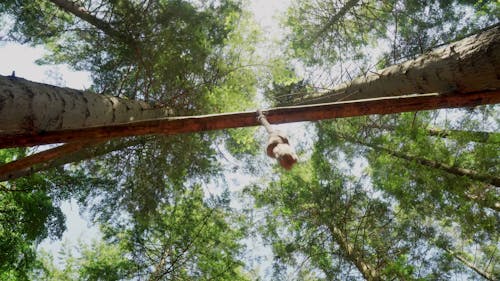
column 466, row 66
column 29, row 107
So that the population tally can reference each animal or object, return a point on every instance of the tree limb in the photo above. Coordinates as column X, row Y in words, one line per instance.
column 190, row 124
column 80, row 12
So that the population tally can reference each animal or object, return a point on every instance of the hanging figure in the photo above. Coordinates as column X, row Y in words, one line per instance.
column 277, row 145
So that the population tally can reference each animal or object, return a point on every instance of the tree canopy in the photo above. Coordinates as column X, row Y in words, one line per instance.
column 409, row 196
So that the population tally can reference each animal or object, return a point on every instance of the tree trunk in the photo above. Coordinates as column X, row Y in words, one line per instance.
column 470, row 265
column 36, row 163
column 29, row 107
column 461, row 172
column 335, row 18
column 368, row 271
column 80, row 12
column 159, row 270
column 467, row 66
column 33, row 135
column 472, row 136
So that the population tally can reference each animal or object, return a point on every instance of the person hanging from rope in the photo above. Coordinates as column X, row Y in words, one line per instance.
column 278, row 146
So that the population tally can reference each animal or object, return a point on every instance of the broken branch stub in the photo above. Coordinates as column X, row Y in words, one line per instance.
column 277, row 144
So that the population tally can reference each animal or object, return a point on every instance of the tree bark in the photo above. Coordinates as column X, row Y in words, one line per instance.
column 61, row 155
column 466, row 66
column 188, row 124
column 33, row 113
column 27, row 106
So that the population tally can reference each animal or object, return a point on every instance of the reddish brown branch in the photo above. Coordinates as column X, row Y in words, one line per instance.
column 190, row 124
column 35, row 162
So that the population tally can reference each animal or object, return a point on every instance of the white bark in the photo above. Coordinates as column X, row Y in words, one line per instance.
column 29, row 107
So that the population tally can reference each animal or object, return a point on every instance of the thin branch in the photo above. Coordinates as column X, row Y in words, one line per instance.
column 472, row 136
column 470, row 265
column 7, row 189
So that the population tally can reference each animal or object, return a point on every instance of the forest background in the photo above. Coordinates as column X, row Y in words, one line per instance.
column 412, row 196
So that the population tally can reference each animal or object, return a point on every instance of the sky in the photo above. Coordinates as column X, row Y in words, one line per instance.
column 22, row 60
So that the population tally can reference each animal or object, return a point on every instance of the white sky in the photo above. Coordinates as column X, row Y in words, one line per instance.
column 21, row 59
column 267, row 13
